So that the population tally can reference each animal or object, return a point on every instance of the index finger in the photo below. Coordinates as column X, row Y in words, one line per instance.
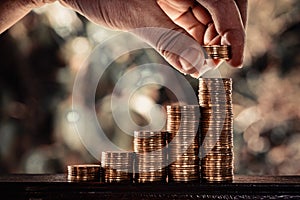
column 229, row 24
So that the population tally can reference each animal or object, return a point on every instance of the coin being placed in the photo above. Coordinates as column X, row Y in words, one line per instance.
column 218, row 51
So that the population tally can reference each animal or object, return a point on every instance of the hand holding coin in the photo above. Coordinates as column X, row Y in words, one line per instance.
column 222, row 52
column 212, row 23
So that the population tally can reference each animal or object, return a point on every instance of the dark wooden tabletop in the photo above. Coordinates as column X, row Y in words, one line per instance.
column 45, row 186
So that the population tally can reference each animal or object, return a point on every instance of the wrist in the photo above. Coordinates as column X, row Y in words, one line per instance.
column 11, row 11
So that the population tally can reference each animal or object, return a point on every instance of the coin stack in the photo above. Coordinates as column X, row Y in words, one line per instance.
column 84, row 173
column 183, row 143
column 218, row 51
column 215, row 99
column 151, row 156
column 117, row 166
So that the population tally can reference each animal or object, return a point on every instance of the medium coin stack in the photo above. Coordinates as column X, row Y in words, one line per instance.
column 215, row 99
column 151, row 156
column 117, row 166
column 84, row 173
column 218, row 51
column 183, row 143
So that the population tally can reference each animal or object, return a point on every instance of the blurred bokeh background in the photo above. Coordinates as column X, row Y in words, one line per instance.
column 41, row 55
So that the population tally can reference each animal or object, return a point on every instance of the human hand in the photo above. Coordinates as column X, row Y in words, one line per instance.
column 212, row 22
column 146, row 19
column 172, row 23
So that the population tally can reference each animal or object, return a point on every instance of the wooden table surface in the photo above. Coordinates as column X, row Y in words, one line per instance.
column 56, row 186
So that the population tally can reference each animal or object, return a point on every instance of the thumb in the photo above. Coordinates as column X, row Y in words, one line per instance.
column 177, row 47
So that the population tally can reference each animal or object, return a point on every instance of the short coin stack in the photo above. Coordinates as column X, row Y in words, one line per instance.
column 151, row 156
column 84, row 172
column 117, row 166
column 183, row 143
column 215, row 99
column 218, row 51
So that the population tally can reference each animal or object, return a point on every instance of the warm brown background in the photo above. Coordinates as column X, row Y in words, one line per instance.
column 40, row 56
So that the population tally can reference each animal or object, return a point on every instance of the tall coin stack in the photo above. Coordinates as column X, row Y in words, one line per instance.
column 183, row 143
column 117, row 166
column 215, row 99
column 84, row 173
column 151, row 156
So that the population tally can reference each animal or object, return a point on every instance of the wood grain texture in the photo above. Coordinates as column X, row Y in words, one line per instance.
column 24, row 186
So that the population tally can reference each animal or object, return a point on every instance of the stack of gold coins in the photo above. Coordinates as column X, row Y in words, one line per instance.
column 84, row 172
column 215, row 99
column 118, row 166
column 151, row 156
column 218, row 51
column 183, row 143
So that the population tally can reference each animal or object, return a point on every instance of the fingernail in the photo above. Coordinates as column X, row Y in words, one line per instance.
column 224, row 40
column 191, row 58
column 239, row 66
column 242, row 63
column 195, row 75
column 202, row 71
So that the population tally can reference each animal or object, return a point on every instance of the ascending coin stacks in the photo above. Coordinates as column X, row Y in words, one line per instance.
column 198, row 143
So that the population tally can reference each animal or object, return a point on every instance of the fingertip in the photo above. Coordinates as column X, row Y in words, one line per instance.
column 236, row 62
column 235, row 39
column 195, row 75
column 239, row 66
column 191, row 60
column 237, row 57
column 159, row 2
